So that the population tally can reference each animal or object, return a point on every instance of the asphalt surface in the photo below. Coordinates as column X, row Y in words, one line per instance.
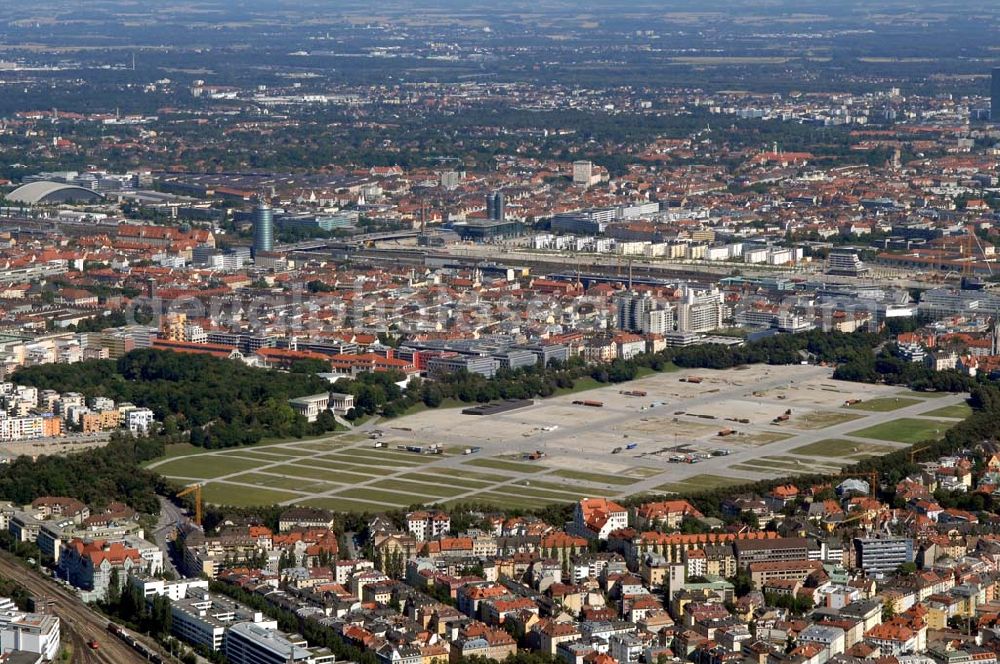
column 170, row 517
column 615, row 418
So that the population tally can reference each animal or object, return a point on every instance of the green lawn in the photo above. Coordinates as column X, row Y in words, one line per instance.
column 784, row 468
column 275, row 482
column 763, row 438
column 884, row 404
column 326, row 446
column 594, row 477
column 576, row 489
column 372, row 471
column 762, row 465
column 343, row 505
column 380, row 453
column 959, row 410
column 504, row 501
column 922, row 395
column 469, row 475
column 833, row 447
column 383, row 496
column 804, row 464
column 543, row 495
column 259, row 456
column 443, row 479
column 351, row 456
column 418, row 489
column 641, row 472
column 580, row 385
column 286, row 452
column 182, row 449
column 205, row 467
column 748, row 466
column 459, row 475
column 704, row 482
column 818, row 419
column 229, row 494
column 905, row 430
column 327, row 475
column 500, row 464
column 420, row 406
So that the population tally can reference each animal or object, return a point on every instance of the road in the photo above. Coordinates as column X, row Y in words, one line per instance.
column 170, row 516
column 79, row 624
column 351, row 544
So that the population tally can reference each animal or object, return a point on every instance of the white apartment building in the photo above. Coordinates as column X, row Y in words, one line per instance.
column 832, row 639
column 428, row 525
column 173, row 590
column 21, row 428
column 700, row 311
column 139, row 420
column 31, row 632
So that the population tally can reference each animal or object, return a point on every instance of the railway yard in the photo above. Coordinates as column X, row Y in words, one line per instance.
column 80, row 626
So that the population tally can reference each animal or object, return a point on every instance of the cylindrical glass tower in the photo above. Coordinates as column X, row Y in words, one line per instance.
column 263, row 227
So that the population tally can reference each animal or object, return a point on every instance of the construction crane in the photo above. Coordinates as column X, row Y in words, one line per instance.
column 968, row 246
column 913, row 452
column 196, row 490
column 872, row 478
column 862, row 514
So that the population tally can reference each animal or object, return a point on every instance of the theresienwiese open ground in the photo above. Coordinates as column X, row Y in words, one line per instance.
column 676, row 419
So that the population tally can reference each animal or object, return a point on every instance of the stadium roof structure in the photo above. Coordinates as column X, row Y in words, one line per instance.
column 35, row 193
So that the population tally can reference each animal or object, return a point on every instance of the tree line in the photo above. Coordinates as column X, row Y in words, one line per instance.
column 96, row 477
column 214, row 402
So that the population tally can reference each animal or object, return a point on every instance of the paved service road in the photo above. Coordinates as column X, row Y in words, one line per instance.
column 171, row 516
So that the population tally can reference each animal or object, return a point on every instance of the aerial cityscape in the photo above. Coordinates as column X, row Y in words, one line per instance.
column 454, row 332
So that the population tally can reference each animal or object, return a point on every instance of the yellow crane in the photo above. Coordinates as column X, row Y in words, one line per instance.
column 872, row 477
column 196, row 490
column 862, row 514
column 913, row 452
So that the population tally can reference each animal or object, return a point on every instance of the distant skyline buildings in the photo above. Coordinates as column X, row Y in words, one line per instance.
column 995, row 95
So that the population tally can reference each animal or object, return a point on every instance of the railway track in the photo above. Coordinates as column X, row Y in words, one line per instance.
column 78, row 623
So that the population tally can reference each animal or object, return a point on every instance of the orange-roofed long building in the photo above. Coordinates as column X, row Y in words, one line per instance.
column 354, row 364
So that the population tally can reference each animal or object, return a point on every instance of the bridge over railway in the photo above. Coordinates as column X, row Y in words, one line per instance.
column 353, row 241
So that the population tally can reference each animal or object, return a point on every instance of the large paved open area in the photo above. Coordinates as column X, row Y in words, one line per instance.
column 777, row 421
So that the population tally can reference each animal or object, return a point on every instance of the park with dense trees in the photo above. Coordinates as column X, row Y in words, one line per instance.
column 217, row 402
